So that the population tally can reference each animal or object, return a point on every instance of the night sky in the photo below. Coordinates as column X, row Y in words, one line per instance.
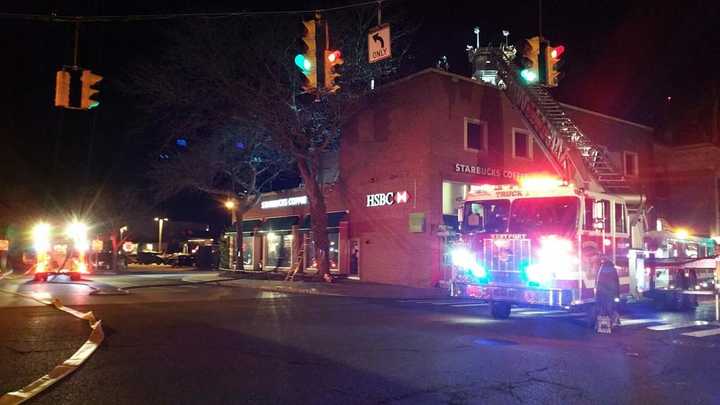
column 622, row 58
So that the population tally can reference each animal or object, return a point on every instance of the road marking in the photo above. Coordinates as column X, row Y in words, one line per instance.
column 481, row 304
column 631, row 321
column 534, row 313
column 678, row 325
column 703, row 333
column 445, row 302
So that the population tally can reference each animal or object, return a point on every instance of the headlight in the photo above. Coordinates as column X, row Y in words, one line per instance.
column 461, row 257
column 41, row 237
column 555, row 256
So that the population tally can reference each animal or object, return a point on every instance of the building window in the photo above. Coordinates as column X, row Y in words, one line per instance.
column 630, row 161
column 279, row 250
column 334, row 239
column 522, row 144
column 475, row 135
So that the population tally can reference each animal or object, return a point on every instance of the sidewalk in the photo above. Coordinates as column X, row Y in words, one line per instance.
column 343, row 288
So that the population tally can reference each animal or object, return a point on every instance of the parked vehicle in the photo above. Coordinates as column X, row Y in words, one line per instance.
column 149, row 258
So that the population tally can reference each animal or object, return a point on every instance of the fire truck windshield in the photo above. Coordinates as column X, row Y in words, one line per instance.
column 557, row 215
column 525, row 215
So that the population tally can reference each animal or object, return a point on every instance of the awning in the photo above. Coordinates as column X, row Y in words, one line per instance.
column 333, row 220
column 249, row 226
column 279, row 224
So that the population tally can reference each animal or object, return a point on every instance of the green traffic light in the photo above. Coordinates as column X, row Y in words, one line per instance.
column 302, row 63
column 529, row 75
column 93, row 105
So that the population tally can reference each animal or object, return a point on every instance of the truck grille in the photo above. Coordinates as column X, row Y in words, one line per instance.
column 505, row 257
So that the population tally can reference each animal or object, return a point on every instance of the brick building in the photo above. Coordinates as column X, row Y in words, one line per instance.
column 404, row 164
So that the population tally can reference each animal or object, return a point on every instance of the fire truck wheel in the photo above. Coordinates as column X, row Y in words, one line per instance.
column 500, row 310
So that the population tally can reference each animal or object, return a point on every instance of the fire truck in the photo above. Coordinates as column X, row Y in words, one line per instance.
column 547, row 242
column 541, row 242
column 569, row 241
column 60, row 252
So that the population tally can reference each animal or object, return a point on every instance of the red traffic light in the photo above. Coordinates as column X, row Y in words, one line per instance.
column 333, row 56
column 557, row 51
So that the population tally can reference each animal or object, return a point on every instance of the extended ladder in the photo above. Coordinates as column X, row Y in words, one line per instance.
column 579, row 158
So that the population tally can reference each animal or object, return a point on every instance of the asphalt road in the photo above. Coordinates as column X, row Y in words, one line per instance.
column 219, row 343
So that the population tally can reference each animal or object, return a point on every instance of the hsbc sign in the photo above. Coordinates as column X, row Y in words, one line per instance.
column 391, row 198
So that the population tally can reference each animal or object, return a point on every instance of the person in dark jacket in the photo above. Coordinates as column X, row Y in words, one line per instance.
column 607, row 291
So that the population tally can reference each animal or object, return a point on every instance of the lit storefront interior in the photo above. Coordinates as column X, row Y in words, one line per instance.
column 276, row 243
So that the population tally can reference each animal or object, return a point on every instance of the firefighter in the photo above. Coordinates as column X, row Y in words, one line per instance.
column 607, row 293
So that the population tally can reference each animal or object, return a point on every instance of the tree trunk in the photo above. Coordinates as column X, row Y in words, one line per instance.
column 239, row 254
column 114, row 260
column 318, row 216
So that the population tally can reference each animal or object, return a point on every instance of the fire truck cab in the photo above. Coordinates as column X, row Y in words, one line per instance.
column 60, row 253
column 541, row 242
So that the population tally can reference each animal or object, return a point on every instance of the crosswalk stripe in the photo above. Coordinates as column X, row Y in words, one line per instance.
column 631, row 321
column 444, row 302
column 567, row 315
column 703, row 333
column 481, row 304
column 533, row 313
column 678, row 325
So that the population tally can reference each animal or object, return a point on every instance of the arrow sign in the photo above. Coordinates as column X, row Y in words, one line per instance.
column 377, row 38
column 379, row 43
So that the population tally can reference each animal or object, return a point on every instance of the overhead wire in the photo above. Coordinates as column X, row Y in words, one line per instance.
column 167, row 16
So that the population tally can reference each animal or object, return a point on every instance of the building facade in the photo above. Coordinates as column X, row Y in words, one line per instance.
column 405, row 163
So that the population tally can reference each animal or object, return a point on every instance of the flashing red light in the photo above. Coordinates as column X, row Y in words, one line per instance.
column 334, row 56
column 557, row 52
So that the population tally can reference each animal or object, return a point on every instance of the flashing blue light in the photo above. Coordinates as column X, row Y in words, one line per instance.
column 240, row 145
column 181, row 142
column 478, row 271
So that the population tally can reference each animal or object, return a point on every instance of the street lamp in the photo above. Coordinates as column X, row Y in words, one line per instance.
column 160, row 228
column 231, row 205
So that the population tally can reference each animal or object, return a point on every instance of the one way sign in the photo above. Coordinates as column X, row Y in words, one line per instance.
column 379, row 43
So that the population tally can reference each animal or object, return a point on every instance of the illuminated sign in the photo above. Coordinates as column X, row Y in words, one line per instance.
column 487, row 171
column 284, row 202
column 391, row 198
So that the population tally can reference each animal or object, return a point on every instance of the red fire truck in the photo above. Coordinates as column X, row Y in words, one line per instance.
column 60, row 252
column 546, row 242
column 541, row 242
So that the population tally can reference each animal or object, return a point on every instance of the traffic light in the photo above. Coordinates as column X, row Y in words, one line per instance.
column 530, row 63
column 553, row 63
column 89, row 79
column 62, row 89
column 332, row 60
column 307, row 62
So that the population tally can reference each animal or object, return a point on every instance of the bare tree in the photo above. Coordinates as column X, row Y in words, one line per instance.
column 236, row 164
column 223, row 72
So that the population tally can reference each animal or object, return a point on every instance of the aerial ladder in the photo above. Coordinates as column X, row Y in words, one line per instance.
column 573, row 154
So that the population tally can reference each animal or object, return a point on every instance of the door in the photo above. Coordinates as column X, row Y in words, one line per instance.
column 355, row 257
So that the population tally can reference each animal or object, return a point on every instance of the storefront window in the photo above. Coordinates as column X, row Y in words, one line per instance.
column 248, row 250
column 279, row 250
column 333, row 237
